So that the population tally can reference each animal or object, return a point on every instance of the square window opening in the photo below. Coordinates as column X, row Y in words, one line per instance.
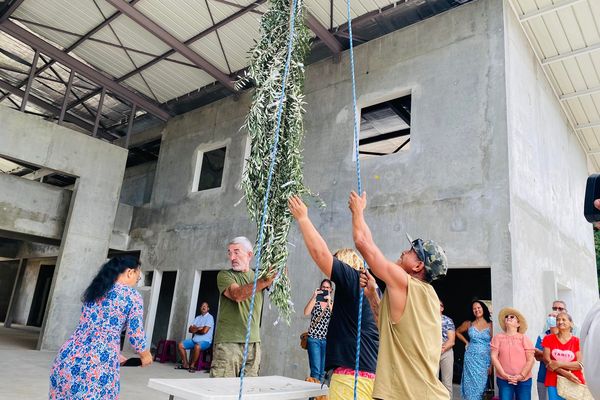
column 211, row 169
column 385, row 128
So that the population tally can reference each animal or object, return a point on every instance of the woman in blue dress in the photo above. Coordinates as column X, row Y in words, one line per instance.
column 477, row 360
column 87, row 365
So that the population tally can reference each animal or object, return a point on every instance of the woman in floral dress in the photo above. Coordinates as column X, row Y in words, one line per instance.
column 87, row 365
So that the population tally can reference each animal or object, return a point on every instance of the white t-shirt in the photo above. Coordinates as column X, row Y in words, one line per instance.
column 204, row 320
column 590, row 345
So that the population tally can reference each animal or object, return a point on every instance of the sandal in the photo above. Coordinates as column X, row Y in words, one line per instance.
column 180, row 366
column 192, row 370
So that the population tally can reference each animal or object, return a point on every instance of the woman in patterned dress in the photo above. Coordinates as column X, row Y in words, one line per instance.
column 87, row 365
column 320, row 314
column 477, row 360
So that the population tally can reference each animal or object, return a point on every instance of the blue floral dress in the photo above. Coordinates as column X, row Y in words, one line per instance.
column 87, row 365
column 476, row 364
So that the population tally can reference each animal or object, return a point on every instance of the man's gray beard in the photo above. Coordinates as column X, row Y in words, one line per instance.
column 238, row 268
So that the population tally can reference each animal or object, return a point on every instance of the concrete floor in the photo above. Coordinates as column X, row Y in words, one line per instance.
column 25, row 370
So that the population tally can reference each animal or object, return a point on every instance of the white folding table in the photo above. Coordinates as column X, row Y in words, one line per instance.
column 255, row 388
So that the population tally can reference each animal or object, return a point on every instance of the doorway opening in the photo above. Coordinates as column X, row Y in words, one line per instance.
column 40, row 296
column 163, row 307
column 457, row 290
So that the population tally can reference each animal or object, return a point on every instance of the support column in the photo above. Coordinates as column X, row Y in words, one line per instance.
column 15, row 293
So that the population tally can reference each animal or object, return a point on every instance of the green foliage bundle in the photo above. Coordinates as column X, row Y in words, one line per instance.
column 266, row 70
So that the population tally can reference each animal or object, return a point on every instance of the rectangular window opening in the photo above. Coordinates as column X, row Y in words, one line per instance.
column 385, row 128
column 211, row 169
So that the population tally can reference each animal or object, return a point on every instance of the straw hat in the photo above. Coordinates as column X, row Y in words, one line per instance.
column 512, row 311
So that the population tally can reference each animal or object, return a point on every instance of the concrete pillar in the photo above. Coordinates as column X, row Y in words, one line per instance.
column 99, row 168
column 15, row 293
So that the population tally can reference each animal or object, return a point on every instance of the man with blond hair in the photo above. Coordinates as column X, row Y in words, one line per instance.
column 344, row 269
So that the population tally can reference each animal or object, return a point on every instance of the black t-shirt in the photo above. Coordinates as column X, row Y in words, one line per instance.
column 341, row 335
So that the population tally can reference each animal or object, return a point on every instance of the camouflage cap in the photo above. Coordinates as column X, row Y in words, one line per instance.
column 432, row 255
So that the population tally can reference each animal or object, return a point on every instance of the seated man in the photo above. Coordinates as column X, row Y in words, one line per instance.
column 202, row 333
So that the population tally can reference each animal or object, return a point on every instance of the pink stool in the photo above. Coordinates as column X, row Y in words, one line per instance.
column 204, row 360
column 166, row 351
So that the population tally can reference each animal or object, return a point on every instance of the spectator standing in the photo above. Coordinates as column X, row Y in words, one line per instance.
column 320, row 314
column 477, row 361
column 512, row 356
column 447, row 358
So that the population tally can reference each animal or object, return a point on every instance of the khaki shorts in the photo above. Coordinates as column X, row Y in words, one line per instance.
column 228, row 357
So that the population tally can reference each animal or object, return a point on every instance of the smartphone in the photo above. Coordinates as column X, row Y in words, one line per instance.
column 592, row 192
column 321, row 296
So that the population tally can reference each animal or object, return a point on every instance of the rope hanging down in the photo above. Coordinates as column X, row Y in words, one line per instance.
column 268, row 190
column 359, row 183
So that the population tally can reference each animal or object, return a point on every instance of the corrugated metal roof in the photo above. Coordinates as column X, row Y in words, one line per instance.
column 121, row 47
column 565, row 36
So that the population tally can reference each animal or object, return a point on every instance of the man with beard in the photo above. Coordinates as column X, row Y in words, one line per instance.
column 235, row 286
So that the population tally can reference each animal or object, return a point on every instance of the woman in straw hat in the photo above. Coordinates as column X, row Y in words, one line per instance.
column 512, row 356
column 562, row 355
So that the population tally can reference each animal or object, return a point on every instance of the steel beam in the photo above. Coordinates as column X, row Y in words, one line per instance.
column 36, row 56
column 571, row 54
column 130, row 126
column 45, row 105
column 63, row 108
column 322, row 33
column 98, row 112
column 77, row 42
column 548, row 9
column 191, row 40
column 580, row 93
column 10, row 9
column 587, row 125
column 82, row 69
column 172, row 41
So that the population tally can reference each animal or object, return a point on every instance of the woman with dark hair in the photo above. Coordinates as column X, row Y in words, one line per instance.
column 87, row 365
column 477, row 361
column 319, row 308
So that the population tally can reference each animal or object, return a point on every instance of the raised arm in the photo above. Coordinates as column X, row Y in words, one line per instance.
column 316, row 246
column 311, row 303
column 389, row 272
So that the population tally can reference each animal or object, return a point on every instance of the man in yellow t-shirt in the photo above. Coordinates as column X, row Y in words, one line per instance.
column 410, row 325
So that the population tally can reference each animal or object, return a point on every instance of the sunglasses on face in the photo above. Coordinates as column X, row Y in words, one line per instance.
column 558, row 309
column 511, row 317
column 417, row 246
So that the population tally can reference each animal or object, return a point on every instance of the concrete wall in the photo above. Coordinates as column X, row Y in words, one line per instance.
column 552, row 244
column 137, row 184
column 32, row 208
column 452, row 185
column 99, row 169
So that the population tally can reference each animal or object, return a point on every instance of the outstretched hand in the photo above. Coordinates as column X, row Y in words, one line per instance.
column 357, row 203
column 297, row 207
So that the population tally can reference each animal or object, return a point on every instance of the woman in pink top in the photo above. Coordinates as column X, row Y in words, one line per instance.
column 512, row 356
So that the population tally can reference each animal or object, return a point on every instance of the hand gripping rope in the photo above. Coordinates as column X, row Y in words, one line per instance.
column 274, row 149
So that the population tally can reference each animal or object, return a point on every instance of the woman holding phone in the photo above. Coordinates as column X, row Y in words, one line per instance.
column 319, row 308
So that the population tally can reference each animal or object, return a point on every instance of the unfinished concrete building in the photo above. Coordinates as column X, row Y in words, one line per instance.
column 479, row 126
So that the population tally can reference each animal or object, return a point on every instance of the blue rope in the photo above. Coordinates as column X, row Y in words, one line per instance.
column 356, row 155
column 274, row 149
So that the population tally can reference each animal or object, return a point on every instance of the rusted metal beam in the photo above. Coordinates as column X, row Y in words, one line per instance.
column 191, row 40
column 82, row 69
column 172, row 41
column 36, row 56
column 323, row 33
column 10, row 9
column 63, row 108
